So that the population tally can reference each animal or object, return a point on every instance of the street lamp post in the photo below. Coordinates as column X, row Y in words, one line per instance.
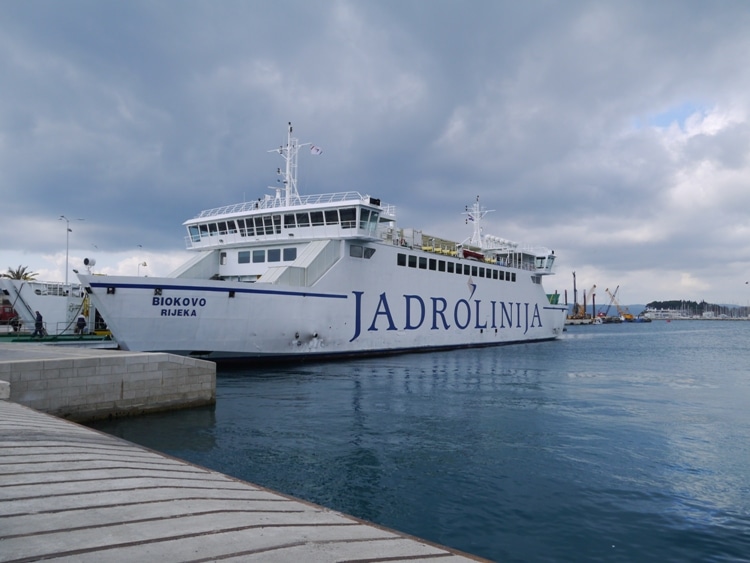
column 68, row 230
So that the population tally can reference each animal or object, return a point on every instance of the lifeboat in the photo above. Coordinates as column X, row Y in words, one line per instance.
column 472, row 255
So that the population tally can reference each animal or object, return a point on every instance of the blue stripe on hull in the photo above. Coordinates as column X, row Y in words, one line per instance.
column 218, row 289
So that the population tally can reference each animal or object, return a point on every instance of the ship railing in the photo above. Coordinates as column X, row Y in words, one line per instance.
column 271, row 202
column 59, row 289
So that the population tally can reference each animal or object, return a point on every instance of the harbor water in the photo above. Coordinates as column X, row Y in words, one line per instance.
column 622, row 442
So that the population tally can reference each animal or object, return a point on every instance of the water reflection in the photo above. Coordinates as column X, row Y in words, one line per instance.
column 188, row 430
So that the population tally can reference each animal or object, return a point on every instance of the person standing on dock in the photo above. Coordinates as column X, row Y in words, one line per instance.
column 38, row 326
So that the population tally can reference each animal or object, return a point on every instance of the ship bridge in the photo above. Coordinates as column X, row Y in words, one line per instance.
column 323, row 216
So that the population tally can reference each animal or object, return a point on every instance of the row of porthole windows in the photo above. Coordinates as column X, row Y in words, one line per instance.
column 450, row 267
column 288, row 254
column 264, row 255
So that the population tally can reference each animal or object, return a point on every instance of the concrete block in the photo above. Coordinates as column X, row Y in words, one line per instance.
column 96, row 383
column 57, row 383
column 134, row 386
column 97, row 388
column 60, row 363
column 99, row 379
column 160, row 358
column 29, row 397
column 36, row 385
column 134, row 359
column 136, row 367
column 81, row 363
column 86, row 371
column 27, row 375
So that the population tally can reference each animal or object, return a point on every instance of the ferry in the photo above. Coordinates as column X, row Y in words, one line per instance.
column 292, row 277
column 61, row 305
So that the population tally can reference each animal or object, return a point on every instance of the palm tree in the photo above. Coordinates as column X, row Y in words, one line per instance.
column 20, row 273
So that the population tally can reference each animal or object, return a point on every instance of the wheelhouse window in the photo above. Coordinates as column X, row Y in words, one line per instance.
column 332, row 216
column 364, row 217
column 290, row 254
column 243, row 257
column 195, row 234
column 274, row 255
column 374, row 217
column 243, row 229
column 289, row 222
column 316, row 218
column 303, row 220
column 268, row 224
column 259, row 256
column 348, row 217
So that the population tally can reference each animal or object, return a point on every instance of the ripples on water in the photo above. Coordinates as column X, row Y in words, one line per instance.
column 618, row 442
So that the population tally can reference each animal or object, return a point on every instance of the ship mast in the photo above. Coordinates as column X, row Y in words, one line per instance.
column 289, row 174
column 475, row 214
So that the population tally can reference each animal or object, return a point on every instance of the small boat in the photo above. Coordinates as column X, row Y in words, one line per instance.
column 472, row 255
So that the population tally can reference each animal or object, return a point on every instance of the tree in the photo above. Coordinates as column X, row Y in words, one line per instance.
column 20, row 273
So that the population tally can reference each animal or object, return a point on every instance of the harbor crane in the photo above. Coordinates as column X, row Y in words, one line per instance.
column 579, row 311
column 605, row 314
column 625, row 315
column 590, row 295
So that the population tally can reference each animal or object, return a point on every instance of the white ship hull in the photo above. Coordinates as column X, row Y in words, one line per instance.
column 384, row 309
column 329, row 275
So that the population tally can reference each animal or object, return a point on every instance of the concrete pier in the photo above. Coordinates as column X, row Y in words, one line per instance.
column 69, row 493
column 86, row 383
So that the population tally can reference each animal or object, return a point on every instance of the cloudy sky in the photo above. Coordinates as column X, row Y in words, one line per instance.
column 616, row 133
